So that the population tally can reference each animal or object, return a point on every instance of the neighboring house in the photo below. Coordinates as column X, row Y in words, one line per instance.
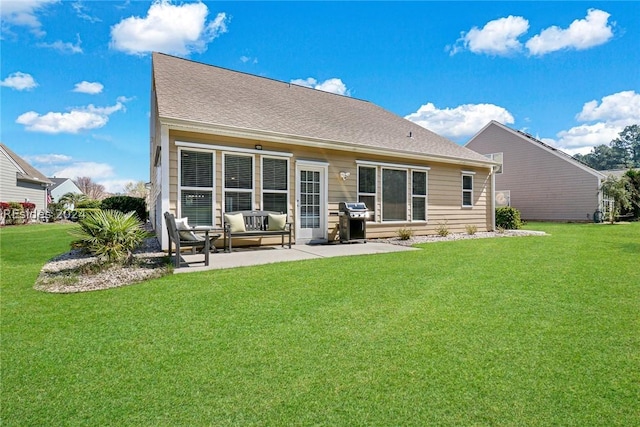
column 542, row 182
column 62, row 186
column 21, row 182
column 224, row 141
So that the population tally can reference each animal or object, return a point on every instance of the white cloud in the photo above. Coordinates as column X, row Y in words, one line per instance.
column 93, row 170
column 92, row 88
column 48, row 159
column 497, row 37
column 175, row 29
column 19, row 81
column 64, row 47
column 582, row 34
column 330, row 85
column 23, row 13
column 624, row 106
column 81, row 12
column 462, row 121
column 76, row 120
column 246, row 59
column 611, row 116
column 114, row 186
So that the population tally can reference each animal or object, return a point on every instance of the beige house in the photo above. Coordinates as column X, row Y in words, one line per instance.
column 21, row 182
column 542, row 182
column 224, row 141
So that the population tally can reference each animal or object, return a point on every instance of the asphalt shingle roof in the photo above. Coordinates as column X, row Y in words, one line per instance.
column 188, row 90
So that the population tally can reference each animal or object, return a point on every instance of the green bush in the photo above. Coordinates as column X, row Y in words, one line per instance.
column 126, row 204
column 15, row 214
column 88, row 204
column 405, row 233
column 110, row 235
column 443, row 228
column 508, row 218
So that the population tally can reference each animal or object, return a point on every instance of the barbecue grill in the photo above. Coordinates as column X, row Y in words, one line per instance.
column 353, row 222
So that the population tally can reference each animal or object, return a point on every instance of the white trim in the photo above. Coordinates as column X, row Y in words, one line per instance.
column 238, row 190
column 372, row 209
column 467, row 190
column 262, row 189
column 13, row 162
column 324, row 203
column 221, row 130
column 231, row 149
column 164, row 184
column 181, row 187
column 391, row 165
column 467, row 172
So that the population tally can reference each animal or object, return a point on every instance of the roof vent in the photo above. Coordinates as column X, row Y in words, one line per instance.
column 410, row 134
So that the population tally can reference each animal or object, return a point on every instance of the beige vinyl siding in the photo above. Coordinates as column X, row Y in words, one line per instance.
column 444, row 196
column 12, row 190
column 544, row 185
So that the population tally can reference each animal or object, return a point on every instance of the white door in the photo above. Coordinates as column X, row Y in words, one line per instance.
column 311, row 202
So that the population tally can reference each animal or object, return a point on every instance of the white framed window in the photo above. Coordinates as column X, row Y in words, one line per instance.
column 402, row 190
column 467, row 188
column 238, row 182
column 367, row 179
column 418, row 196
column 196, row 186
column 275, row 184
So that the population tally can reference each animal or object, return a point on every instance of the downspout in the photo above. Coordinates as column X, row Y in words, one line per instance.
column 493, row 198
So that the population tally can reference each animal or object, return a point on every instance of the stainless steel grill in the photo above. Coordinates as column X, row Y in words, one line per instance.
column 353, row 222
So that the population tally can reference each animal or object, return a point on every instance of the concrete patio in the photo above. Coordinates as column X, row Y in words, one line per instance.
column 241, row 257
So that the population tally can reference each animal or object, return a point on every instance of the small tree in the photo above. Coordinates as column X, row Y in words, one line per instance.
column 70, row 200
column 110, row 235
column 617, row 190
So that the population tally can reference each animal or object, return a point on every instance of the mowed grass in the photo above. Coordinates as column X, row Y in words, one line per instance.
column 502, row 332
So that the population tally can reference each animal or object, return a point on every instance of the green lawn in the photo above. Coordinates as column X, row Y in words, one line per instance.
column 491, row 332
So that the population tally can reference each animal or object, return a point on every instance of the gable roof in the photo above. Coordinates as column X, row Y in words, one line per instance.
column 57, row 182
column 26, row 172
column 531, row 139
column 189, row 92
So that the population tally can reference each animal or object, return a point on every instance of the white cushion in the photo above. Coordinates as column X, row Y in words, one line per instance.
column 276, row 222
column 236, row 222
column 182, row 223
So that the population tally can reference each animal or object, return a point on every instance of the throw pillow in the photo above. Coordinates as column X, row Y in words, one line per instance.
column 236, row 222
column 182, row 223
column 277, row 222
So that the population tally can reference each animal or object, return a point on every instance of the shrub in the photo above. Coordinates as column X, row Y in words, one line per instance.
column 110, row 235
column 508, row 218
column 14, row 213
column 405, row 233
column 27, row 208
column 471, row 229
column 126, row 204
column 88, row 204
column 443, row 229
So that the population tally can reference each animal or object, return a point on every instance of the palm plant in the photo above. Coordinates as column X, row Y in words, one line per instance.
column 110, row 235
column 70, row 200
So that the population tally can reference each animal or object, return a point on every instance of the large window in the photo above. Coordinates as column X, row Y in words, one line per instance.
column 196, row 186
column 418, row 196
column 275, row 188
column 467, row 189
column 367, row 188
column 238, row 182
column 394, row 195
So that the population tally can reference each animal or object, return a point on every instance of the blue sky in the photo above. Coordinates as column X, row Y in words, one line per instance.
column 75, row 75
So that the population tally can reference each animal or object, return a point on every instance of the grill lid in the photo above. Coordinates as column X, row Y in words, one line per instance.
column 352, row 206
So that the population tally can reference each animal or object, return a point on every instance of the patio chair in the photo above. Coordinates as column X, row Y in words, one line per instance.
column 185, row 237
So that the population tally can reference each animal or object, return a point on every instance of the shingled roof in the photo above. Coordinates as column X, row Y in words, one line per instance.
column 213, row 96
column 26, row 172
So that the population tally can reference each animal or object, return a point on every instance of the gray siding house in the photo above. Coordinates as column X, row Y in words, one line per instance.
column 542, row 182
column 21, row 182
column 62, row 186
